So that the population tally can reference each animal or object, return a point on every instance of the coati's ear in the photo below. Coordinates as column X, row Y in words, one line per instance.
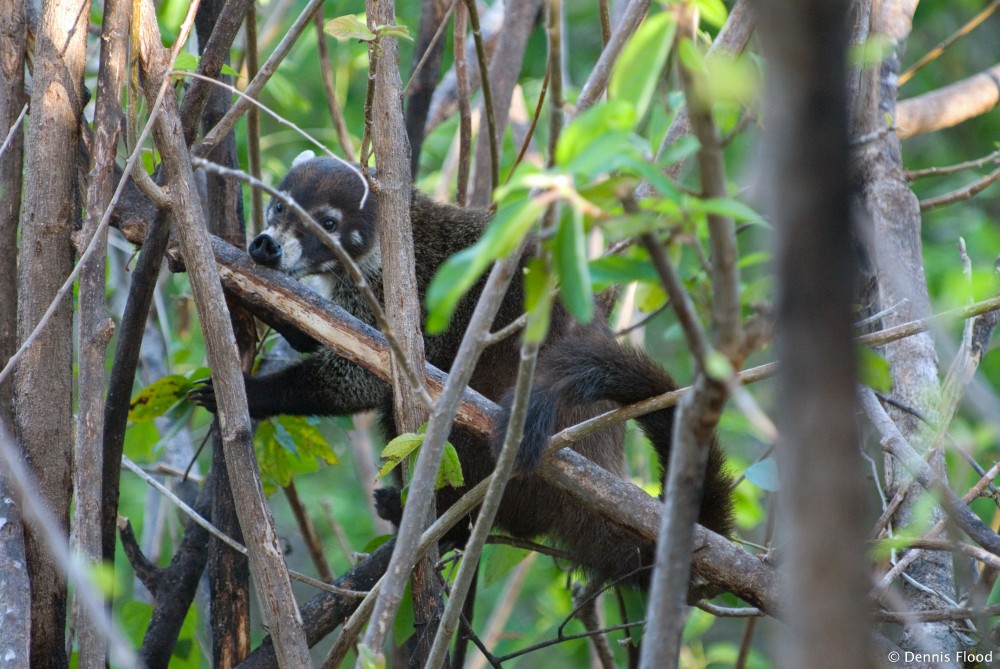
column 304, row 156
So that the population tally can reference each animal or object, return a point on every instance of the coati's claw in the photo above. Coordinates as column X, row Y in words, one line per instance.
column 203, row 394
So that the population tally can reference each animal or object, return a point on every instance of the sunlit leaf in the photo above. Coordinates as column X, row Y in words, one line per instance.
column 349, row 27
column 457, row 274
column 873, row 370
column 640, row 67
column 538, row 286
column 712, row 12
column 155, row 399
column 399, row 31
column 574, row 272
column 500, row 561
column 450, row 472
column 399, row 449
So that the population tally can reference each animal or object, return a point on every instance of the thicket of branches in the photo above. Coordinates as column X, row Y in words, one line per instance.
column 665, row 152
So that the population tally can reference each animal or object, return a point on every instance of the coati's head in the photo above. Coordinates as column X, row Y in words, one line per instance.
column 331, row 192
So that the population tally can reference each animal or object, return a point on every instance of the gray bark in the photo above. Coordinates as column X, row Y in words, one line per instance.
column 43, row 384
column 899, row 272
column 809, row 199
column 12, row 100
column 280, row 611
column 518, row 22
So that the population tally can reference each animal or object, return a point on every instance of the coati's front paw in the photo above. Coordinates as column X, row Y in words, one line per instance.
column 203, row 394
column 389, row 505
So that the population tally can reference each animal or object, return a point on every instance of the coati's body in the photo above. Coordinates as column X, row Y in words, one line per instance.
column 581, row 370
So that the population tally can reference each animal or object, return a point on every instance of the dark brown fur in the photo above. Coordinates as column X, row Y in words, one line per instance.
column 582, row 370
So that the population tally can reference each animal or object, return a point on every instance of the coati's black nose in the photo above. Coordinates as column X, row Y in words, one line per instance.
column 265, row 250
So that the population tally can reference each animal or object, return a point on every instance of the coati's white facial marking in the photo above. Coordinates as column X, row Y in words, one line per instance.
column 291, row 250
column 277, row 206
column 329, row 217
column 356, row 237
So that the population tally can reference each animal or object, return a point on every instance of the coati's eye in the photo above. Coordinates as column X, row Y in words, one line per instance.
column 278, row 207
column 329, row 224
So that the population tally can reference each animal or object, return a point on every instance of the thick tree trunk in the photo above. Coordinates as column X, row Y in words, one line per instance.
column 15, row 594
column 44, row 380
column 809, row 195
column 899, row 272
column 12, row 101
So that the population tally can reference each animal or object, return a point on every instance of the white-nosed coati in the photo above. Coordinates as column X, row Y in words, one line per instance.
column 581, row 371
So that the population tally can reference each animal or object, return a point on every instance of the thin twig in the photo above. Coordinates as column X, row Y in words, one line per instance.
column 93, row 245
column 491, row 121
column 464, row 108
column 282, row 120
column 430, row 48
column 253, row 89
column 465, row 505
column 222, row 536
column 934, row 53
column 13, row 130
column 913, row 175
column 728, row 611
column 253, row 123
column 20, row 482
column 490, row 506
column 597, row 82
column 964, row 193
column 938, row 527
column 531, row 128
column 326, row 69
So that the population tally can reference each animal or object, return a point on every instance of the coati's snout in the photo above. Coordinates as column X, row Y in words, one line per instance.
column 266, row 250
column 334, row 195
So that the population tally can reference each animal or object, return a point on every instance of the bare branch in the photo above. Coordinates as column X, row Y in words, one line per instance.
column 936, row 52
column 50, row 533
column 222, row 536
column 963, row 193
column 895, row 444
column 281, row 612
column 597, row 82
column 253, row 89
column 950, row 105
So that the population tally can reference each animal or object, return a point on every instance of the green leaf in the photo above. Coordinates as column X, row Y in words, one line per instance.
column 399, row 449
column 156, row 399
column 399, row 31
column 764, row 474
column 640, row 66
column 619, row 269
column 717, row 366
column 680, row 150
column 369, row 658
column 713, row 12
column 186, row 62
column 349, row 27
column 500, row 561
column 457, row 274
column 728, row 208
column 873, row 370
column 449, row 474
column 599, row 140
column 289, row 445
column 538, row 285
column 574, row 271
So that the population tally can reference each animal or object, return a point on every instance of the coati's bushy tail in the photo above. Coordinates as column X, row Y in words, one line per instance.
column 590, row 366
